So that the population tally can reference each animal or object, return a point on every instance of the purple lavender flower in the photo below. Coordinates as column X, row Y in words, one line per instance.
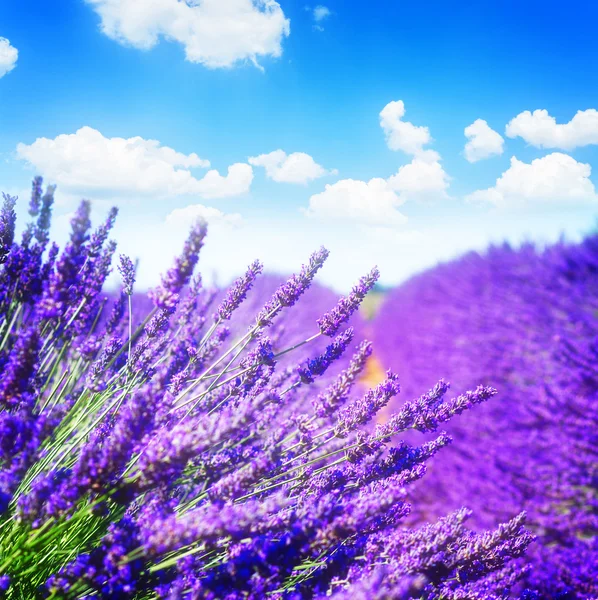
column 19, row 372
column 319, row 365
column 64, row 286
column 288, row 293
column 238, row 292
column 336, row 394
column 329, row 324
column 7, row 226
column 126, row 268
column 42, row 229
column 212, row 523
column 36, row 196
column 362, row 410
column 166, row 295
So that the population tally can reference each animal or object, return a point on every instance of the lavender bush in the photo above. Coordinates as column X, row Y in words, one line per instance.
column 175, row 460
column 525, row 320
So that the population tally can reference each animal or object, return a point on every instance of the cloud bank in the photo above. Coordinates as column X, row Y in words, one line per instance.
column 297, row 167
column 552, row 179
column 214, row 33
column 541, row 130
column 87, row 162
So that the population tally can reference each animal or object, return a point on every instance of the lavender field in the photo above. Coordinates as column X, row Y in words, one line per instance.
column 526, row 321
column 174, row 456
column 298, row 301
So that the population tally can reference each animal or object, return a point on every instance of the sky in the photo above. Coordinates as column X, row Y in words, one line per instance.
column 395, row 133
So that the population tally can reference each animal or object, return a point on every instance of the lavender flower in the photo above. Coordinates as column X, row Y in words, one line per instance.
column 19, row 372
column 166, row 295
column 290, row 292
column 7, row 226
column 238, row 292
column 329, row 324
column 319, row 365
column 336, row 394
column 126, row 268
column 64, row 287
column 362, row 410
column 42, row 229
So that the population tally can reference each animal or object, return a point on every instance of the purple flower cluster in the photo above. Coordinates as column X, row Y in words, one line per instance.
column 525, row 321
column 174, row 455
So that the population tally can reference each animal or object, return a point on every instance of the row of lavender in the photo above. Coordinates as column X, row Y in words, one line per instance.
column 175, row 459
column 526, row 321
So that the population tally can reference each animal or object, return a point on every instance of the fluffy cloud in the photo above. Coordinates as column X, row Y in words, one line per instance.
column 374, row 203
column 320, row 13
column 215, row 33
column 237, row 182
column 421, row 179
column 402, row 135
column 8, row 57
column 370, row 203
column 483, row 141
column 541, row 130
column 297, row 167
column 552, row 179
column 183, row 217
column 87, row 162
column 424, row 176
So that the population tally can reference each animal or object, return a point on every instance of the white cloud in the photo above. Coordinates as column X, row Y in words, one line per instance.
column 86, row 162
column 483, row 141
column 237, row 182
column 552, row 179
column 423, row 177
column 215, row 33
column 297, row 167
column 370, row 203
column 185, row 216
column 374, row 203
column 420, row 180
column 320, row 13
column 402, row 135
column 541, row 130
column 8, row 57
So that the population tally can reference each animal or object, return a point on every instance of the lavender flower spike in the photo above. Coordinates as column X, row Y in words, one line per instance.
column 238, row 292
column 329, row 400
column 178, row 276
column 36, row 196
column 290, row 291
column 126, row 268
column 7, row 226
column 17, row 375
column 362, row 410
column 320, row 364
column 330, row 322
column 45, row 215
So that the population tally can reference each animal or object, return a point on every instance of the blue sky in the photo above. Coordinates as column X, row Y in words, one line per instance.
column 343, row 124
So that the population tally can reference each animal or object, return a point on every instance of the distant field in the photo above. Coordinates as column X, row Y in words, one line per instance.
column 372, row 303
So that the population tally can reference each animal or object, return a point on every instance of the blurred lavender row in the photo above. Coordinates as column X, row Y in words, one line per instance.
column 526, row 321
